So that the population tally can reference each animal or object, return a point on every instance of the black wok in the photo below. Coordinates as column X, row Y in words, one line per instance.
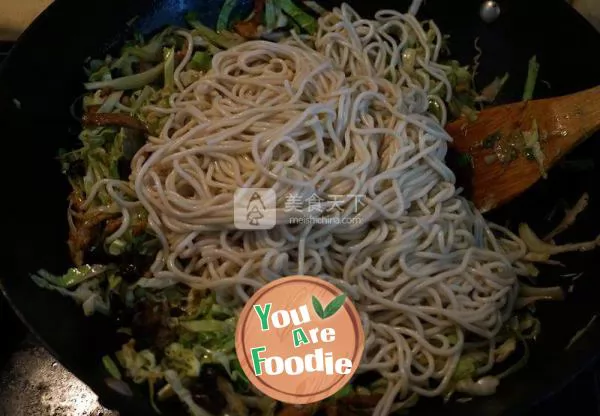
column 43, row 76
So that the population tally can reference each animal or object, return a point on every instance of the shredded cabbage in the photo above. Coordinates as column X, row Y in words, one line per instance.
column 223, row 19
column 209, row 325
column 183, row 360
column 74, row 275
column 141, row 366
column 151, row 52
column 223, row 40
column 532, row 143
column 581, row 332
column 468, row 364
column 111, row 367
column 485, row 386
column 131, row 82
column 110, row 103
column 169, row 68
column 505, row 350
column 535, row 245
column 532, row 74
column 570, row 217
column 184, row 394
column 306, row 21
column 489, row 93
column 88, row 294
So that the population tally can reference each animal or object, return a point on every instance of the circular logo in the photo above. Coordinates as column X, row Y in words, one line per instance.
column 299, row 339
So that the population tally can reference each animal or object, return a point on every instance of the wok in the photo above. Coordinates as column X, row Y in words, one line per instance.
column 43, row 76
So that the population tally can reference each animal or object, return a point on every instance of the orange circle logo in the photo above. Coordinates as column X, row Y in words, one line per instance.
column 299, row 339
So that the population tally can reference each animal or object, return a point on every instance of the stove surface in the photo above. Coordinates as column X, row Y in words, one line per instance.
column 33, row 384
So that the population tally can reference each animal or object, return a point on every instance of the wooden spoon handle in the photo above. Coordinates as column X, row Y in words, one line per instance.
column 503, row 142
column 575, row 117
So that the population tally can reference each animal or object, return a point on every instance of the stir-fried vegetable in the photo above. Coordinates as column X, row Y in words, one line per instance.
column 184, row 394
column 505, row 350
column 468, row 365
column 75, row 275
column 536, row 245
column 533, row 147
column 463, row 92
column 304, row 20
column 532, row 74
column 88, row 294
column 201, row 61
column 150, row 52
column 570, row 217
column 489, row 93
column 581, row 332
column 223, row 39
column 530, row 294
column 111, row 367
column 271, row 15
column 131, row 82
column 169, row 68
column 519, row 364
column 484, row 386
column 223, row 20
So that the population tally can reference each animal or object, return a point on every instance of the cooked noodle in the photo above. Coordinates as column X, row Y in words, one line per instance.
column 338, row 115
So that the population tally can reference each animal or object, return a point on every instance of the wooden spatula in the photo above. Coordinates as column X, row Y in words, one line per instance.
column 500, row 146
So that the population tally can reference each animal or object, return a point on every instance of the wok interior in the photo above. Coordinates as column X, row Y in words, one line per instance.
column 44, row 75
